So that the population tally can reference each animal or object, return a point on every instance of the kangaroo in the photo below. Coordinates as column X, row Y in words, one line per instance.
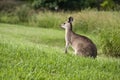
column 82, row 45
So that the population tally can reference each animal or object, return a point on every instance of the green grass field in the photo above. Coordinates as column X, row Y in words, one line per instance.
column 32, row 53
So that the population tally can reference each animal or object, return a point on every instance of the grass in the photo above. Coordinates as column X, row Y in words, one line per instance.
column 104, row 24
column 32, row 53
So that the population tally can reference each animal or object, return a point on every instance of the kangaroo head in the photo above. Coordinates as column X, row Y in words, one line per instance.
column 68, row 24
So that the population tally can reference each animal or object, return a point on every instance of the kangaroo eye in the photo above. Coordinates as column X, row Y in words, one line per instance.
column 64, row 23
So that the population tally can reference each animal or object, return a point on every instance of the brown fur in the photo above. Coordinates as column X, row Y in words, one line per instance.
column 82, row 45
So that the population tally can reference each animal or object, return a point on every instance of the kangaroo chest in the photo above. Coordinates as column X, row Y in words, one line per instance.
column 68, row 36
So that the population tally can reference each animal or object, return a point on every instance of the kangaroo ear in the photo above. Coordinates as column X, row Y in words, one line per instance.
column 70, row 19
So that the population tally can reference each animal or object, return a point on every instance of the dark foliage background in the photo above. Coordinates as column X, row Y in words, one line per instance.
column 76, row 4
column 62, row 4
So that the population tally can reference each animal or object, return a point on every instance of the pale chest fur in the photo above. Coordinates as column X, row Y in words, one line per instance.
column 67, row 36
